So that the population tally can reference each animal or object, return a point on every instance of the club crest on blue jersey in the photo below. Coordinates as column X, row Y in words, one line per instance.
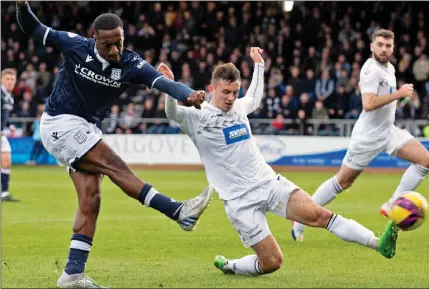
column 116, row 74
column 236, row 133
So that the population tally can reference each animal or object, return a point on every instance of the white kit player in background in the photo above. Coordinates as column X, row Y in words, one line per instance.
column 247, row 185
column 375, row 131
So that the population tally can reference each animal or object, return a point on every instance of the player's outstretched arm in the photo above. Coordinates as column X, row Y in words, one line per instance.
column 32, row 27
column 180, row 91
column 144, row 73
column 186, row 117
column 252, row 100
column 171, row 107
column 28, row 22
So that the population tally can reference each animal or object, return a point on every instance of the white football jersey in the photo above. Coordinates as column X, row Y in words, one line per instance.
column 376, row 124
column 231, row 158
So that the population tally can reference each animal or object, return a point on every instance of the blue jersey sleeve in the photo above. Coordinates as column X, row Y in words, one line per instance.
column 31, row 26
column 143, row 73
column 62, row 40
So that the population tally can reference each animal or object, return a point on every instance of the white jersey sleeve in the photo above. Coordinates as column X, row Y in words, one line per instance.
column 186, row 117
column 252, row 100
column 373, row 127
column 369, row 79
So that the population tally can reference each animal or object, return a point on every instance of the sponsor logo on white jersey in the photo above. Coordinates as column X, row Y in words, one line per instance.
column 236, row 133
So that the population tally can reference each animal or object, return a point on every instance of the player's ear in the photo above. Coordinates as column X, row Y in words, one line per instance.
column 210, row 88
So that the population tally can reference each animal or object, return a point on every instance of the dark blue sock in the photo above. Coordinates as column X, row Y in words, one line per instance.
column 79, row 251
column 4, row 182
column 161, row 203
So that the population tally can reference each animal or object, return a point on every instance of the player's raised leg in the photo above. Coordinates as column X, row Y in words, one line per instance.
column 328, row 191
column 301, row 208
column 88, row 188
column 414, row 152
column 268, row 259
column 102, row 159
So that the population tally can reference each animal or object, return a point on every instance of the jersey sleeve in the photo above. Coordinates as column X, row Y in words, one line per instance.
column 252, row 100
column 369, row 80
column 62, row 40
column 143, row 72
column 32, row 27
column 186, row 117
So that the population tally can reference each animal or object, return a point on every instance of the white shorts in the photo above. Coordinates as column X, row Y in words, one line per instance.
column 68, row 137
column 5, row 145
column 359, row 155
column 247, row 213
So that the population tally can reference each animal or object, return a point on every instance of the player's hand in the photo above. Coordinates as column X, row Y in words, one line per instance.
column 164, row 69
column 255, row 53
column 12, row 129
column 406, row 90
column 196, row 98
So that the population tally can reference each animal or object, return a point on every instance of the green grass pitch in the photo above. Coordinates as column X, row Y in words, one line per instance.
column 137, row 247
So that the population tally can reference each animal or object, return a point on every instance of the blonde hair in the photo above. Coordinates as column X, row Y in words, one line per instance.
column 8, row 71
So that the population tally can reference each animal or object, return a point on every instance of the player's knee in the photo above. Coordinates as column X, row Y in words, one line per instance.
column 6, row 162
column 345, row 181
column 272, row 263
column 323, row 216
column 424, row 162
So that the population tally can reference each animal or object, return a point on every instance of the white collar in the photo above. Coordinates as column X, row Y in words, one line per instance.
column 103, row 61
column 4, row 90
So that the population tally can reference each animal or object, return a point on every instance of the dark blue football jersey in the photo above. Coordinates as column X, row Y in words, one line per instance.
column 6, row 107
column 88, row 85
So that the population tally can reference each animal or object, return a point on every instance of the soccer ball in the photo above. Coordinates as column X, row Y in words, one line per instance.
column 409, row 211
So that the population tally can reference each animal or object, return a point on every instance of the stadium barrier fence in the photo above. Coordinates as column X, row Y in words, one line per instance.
column 178, row 149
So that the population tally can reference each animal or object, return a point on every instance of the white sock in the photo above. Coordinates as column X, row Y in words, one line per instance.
column 323, row 195
column 351, row 231
column 152, row 192
column 248, row 265
column 327, row 191
column 412, row 177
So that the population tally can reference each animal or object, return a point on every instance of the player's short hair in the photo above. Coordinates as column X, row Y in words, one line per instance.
column 107, row 21
column 8, row 71
column 383, row 33
column 227, row 72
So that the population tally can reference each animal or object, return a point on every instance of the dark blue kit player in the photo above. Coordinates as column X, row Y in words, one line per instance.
column 94, row 74
column 8, row 81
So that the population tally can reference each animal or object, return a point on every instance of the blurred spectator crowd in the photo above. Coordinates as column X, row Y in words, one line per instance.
column 313, row 55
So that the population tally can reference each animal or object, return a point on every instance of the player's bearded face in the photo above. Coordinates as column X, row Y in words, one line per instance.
column 382, row 49
column 224, row 94
column 110, row 43
column 8, row 81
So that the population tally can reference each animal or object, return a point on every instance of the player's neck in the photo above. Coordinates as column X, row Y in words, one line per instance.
column 212, row 103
